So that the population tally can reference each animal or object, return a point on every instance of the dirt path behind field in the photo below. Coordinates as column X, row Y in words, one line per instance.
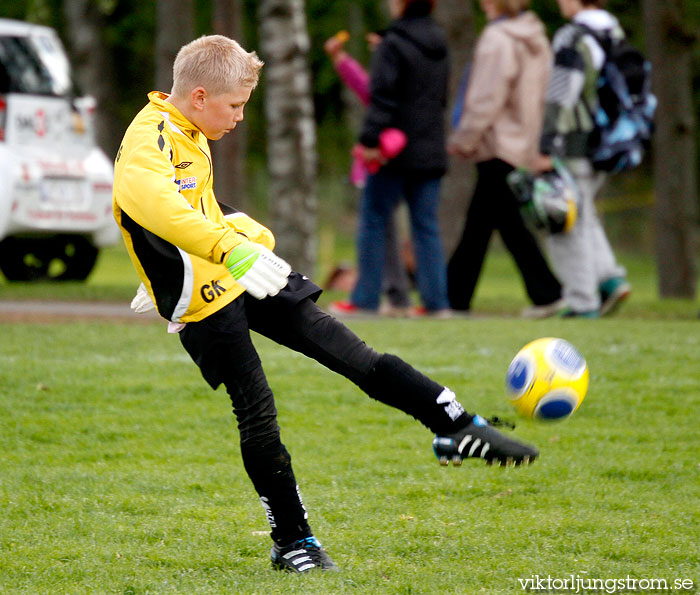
column 57, row 311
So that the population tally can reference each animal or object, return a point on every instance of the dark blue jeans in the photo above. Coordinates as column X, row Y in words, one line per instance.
column 382, row 193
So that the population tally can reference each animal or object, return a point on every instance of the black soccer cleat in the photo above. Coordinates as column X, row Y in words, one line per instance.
column 301, row 556
column 480, row 440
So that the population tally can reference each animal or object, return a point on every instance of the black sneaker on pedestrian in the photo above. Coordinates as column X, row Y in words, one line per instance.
column 301, row 556
column 480, row 440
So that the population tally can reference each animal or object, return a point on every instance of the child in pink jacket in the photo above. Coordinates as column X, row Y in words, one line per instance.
column 391, row 143
column 353, row 74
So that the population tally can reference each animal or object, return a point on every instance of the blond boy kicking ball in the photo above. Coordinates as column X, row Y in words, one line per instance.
column 215, row 278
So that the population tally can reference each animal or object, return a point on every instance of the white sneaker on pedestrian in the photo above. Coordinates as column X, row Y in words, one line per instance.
column 545, row 310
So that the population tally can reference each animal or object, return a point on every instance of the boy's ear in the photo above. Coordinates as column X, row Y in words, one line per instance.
column 198, row 97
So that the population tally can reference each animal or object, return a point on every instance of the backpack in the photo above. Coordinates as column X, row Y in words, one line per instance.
column 624, row 119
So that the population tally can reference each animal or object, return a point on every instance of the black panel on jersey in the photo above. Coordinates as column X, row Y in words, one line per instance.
column 162, row 263
column 227, row 209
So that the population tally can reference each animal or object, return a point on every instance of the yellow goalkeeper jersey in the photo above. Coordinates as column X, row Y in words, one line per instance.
column 174, row 229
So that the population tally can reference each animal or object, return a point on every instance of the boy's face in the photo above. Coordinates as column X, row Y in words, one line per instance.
column 216, row 115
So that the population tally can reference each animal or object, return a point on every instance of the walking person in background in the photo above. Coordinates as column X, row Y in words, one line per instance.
column 408, row 91
column 396, row 283
column 499, row 130
column 594, row 282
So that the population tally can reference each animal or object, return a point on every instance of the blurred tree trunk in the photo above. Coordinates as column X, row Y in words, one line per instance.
column 92, row 63
column 457, row 19
column 291, row 130
column 229, row 152
column 174, row 28
column 670, row 46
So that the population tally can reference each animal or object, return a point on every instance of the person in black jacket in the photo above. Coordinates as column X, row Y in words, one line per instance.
column 408, row 91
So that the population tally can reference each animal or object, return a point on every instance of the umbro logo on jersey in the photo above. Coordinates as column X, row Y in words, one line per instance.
column 183, row 165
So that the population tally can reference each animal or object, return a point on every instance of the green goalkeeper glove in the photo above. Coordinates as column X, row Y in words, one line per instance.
column 257, row 269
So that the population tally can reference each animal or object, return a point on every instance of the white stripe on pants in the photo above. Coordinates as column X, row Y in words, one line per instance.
column 583, row 258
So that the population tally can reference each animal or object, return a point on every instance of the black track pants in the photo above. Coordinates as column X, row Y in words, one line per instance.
column 222, row 347
column 494, row 207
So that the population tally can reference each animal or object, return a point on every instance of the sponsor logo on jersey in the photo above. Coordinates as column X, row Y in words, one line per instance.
column 187, row 183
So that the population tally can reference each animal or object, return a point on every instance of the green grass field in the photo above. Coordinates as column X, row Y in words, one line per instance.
column 120, row 468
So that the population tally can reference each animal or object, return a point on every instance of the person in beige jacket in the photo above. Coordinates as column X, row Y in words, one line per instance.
column 499, row 129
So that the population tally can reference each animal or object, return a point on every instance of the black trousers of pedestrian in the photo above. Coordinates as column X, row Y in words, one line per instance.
column 494, row 207
column 222, row 348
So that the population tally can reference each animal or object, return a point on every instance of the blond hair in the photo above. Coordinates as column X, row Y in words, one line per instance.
column 215, row 62
column 512, row 7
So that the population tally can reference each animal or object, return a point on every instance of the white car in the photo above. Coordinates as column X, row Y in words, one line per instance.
column 55, row 182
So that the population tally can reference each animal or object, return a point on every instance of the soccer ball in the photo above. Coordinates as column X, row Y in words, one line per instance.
column 547, row 379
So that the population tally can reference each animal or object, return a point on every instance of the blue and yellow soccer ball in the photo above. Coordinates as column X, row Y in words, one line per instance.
column 547, row 379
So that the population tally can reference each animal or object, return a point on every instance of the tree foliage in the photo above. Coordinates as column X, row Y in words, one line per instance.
column 130, row 34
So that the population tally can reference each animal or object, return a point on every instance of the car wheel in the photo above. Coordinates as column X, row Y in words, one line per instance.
column 60, row 258
column 78, row 255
